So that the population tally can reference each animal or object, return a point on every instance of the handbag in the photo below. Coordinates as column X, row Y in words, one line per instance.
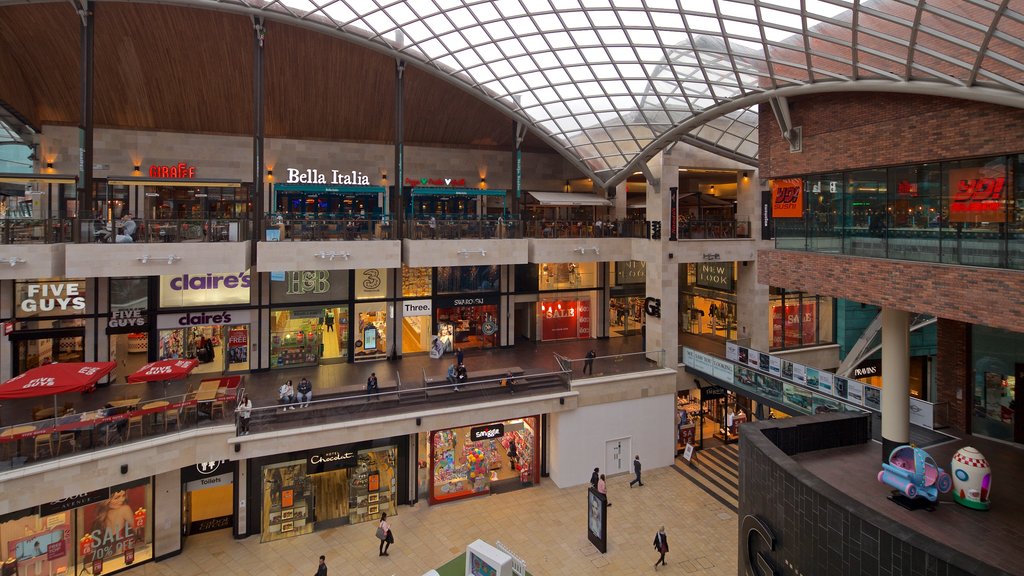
column 381, row 534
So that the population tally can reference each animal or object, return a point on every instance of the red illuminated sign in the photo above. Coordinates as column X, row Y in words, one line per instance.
column 904, row 188
column 435, row 182
column 179, row 170
column 565, row 319
column 978, row 199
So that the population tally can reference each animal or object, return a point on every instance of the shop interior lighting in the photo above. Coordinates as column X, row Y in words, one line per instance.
column 137, row 168
column 332, row 255
column 466, row 253
column 13, row 261
column 583, row 250
column 49, row 165
column 170, row 259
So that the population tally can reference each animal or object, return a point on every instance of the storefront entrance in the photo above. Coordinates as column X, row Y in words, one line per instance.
column 34, row 348
column 217, row 348
column 309, row 336
column 208, row 496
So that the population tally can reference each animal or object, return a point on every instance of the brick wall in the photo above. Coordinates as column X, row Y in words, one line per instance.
column 854, row 130
column 986, row 296
column 953, row 370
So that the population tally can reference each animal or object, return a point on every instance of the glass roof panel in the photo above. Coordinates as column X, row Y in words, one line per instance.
column 605, row 78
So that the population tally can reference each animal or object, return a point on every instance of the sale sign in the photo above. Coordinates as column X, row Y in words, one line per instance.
column 788, row 198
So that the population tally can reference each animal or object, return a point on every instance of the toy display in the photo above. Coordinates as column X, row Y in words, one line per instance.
column 972, row 478
column 913, row 472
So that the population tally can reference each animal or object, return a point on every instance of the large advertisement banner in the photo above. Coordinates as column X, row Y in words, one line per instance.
column 565, row 319
column 788, row 198
column 793, row 323
column 977, row 194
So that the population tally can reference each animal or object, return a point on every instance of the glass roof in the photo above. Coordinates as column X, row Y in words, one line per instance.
column 612, row 81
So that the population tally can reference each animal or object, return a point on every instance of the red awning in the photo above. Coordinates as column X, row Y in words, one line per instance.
column 56, row 378
column 163, row 370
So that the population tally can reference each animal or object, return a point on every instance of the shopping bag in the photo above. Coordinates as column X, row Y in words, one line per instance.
column 380, row 533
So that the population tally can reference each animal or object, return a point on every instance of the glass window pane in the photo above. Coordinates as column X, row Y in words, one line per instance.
column 916, row 212
column 976, row 192
column 864, row 213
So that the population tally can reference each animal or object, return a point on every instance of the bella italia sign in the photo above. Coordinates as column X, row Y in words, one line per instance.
column 314, row 176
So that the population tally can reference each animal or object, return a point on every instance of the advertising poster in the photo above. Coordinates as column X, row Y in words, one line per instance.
column 754, row 359
column 238, row 345
column 799, row 373
column 855, row 391
column 742, row 355
column 872, row 397
column 117, row 523
column 775, row 365
column 768, row 386
column 797, row 397
column 565, row 319
column 811, row 377
column 732, row 351
column 825, row 382
column 597, row 527
column 978, row 194
column 841, row 387
column 786, row 370
column 793, row 325
column 823, row 405
column 787, row 198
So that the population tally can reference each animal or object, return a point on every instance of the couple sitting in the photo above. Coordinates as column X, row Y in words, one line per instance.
column 288, row 397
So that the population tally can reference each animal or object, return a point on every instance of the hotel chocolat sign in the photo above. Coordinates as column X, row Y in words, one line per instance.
column 490, row 432
column 330, row 460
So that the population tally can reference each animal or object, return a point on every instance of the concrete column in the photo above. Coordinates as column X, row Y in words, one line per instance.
column 662, row 268
column 619, row 210
column 752, row 324
column 895, row 380
column 748, row 201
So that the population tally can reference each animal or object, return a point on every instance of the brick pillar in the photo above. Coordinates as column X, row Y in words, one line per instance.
column 953, row 372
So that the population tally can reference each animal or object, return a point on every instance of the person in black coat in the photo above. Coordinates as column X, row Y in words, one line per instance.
column 594, row 478
column 636, row 470
column 661, row 545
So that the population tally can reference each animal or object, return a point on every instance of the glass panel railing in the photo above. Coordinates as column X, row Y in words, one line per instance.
column 704, row 229
column 614, row 364
column 280, row 227
column 164, row 230
column 463, row 228
column 35, row 230
column 585, row 229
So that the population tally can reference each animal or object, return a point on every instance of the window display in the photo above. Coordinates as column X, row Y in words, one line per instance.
column 483, row 459
column 286, row 501
column 217, row 348
column 35, row 544
column 371, row 331
column 470, row 323
column 308, row 336
column 567, row 276
column 416, row 282
column 626, row 315
column 116, row 531
column 564, row 319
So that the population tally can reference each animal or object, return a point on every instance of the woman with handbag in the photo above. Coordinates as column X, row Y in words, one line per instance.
column 384, row 534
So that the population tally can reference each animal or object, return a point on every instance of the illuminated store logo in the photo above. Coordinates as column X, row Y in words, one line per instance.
column 978, row 195
column 205, row 319
column 308, row 282
column 209, row 281
column 331, row 457
column 435, row 182
column 128, row 317
column 179, row 170
column 487, row 432
column 209, row 467
column 314, row 176
column 52, row 297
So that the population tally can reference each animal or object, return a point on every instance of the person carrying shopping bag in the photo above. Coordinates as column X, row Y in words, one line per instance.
column 384, row 534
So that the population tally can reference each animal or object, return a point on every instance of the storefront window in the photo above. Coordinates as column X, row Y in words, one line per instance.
column 1015, row 228
column 865, row 213
column 564, row 318
column 975, row 192
column 417, row 316
column 219, row 341
column 824, row 209
column 128, row 324
column 708, row 300
column 461, row 279
column 483, row 459
column 308, row 336
column 35, row 544
column 467, row 322
column 998, row 367
column 286, row 501
column 627, row 315
column 370, row 338
column 416, row 281
column 567, row 276
column 798, row 319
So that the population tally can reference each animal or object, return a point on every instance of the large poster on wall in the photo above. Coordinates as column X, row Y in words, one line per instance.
column 787, row 198
column 563, row 319
column 978, row 194
column 793, row 324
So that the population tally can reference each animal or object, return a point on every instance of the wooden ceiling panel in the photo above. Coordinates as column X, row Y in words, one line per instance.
column 43, row 41
column 324, row 88
column 161, row 67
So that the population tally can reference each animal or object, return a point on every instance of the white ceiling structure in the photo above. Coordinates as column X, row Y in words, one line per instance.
column 612, row 82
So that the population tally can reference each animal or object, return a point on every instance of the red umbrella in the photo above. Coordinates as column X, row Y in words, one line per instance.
column 163, row 370
column 58, row 378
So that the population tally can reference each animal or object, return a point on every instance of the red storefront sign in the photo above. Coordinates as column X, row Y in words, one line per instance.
column 794, row 324
column 561, row 319
column 179, row 170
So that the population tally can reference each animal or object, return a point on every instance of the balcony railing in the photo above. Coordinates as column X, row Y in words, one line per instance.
column 166, row 230
column 284, row 228
column 992, row 245
column 463, row 228
column 35, row 230
column 703, row 229
column 585, row 229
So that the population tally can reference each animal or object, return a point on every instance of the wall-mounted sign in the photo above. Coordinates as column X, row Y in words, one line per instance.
column 77, row 501
column 787, row 198
column 489, row 432
column 452, row 302
column 766, row 215
column 314, row 176
column 181, row 170
column 331, row 459
column 215, row 318
column 309, row 286
column 307, row 282
column 412, row 308
column 127, row 320
column 215, row 289
column 371, row 283
column 652, row 307
column 977, row 194
column 435, row 182
column 716, row 276
column 630, row 272
column 51, row 298
column 561, row 319
column 711, row 256
column 868, row 369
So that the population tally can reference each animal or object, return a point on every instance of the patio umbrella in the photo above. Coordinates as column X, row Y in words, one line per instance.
column 165, row 370
column 57, row 378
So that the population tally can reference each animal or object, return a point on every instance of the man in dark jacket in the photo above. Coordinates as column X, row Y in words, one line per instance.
column 305, row 391
column 321, row 570
column 661, row 545
column 594, row 478
column 636, row 470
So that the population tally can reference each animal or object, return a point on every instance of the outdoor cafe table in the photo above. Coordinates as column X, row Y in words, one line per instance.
column 207, row 393
column 159, row 407
column 16, row 434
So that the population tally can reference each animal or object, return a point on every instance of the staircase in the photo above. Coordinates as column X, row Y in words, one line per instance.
column 716, row 471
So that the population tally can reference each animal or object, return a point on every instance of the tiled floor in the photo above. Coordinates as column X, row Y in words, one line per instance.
column 545, row 525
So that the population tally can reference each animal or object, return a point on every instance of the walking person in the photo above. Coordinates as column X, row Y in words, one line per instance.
column 588, row 364
column 321, row 570
column 371, row 384
column 595, row 477
column 661, row 545
column 458, row 355
column 244, row 411
column 603, row 489
column 384, row 534
column 636, row 470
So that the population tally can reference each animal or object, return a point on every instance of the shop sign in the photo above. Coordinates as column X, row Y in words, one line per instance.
column 787, row 198
column 181, row 170
column 716, row 276
column 209, row 482
column 371, row 283
column 332, row 460
column 451, row 302
column 204, row 289
column 210, row 524
column 708, row 365
column 314, row 176
column 489, row 432
column 713, row 393
column 189, row 474
column 412, row 308
column 652, row 307
column 51, row 297
column 127, row 320
column 868, row 369
column 307, row 282
column 215, row 318
column 977, row 195
column 57, row 549
column 630, row 272
column 757, row 539
column 766, row 215
column 309, row 286
column 435, row 182
column 8, row 328
column 70, row 503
